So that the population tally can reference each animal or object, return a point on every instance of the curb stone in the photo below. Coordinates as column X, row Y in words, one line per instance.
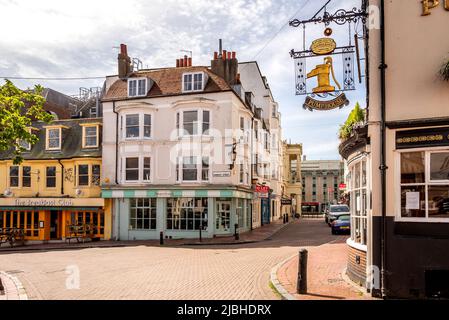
column 20, row 289
column 277, row 284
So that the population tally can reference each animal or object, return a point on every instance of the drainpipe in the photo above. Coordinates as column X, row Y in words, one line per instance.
column 62, row 177
column 383, row 166
column 116, row 141
column 252, row 173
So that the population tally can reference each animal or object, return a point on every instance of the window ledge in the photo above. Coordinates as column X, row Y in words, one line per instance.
column 356, row 245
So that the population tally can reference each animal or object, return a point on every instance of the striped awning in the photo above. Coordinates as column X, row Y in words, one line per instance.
column 120, row 194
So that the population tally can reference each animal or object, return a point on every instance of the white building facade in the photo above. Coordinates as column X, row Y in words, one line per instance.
column 177, row 150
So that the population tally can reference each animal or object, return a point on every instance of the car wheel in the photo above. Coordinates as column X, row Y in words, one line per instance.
column 334, row 232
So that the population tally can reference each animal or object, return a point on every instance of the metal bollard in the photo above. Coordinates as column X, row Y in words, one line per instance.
column 237, row 236
column 201, row 236
column 302, row 272
column 283, row 219
column 161, row 238
column 286, row 218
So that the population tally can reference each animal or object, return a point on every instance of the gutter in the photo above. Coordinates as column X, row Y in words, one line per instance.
column 383, row 166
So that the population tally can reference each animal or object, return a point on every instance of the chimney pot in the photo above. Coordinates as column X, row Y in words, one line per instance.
column 123, row 49
column 234, row 55
column 177, row 63
column 181, row 62
column 224, row 54
column 189, row 60
column 229, row 55
column 186, row 62
column 215, row 55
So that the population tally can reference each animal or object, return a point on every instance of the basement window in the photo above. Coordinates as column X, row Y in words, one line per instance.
column 137, row 87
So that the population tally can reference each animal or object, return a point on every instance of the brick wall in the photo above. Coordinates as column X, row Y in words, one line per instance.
column 357, row 266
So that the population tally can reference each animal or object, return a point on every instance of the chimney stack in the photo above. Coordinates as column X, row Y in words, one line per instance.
column 225, row 65
column 124, row 62
column 184, row 62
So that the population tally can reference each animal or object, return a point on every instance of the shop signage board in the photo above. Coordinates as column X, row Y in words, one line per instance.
column 52, row 202
column 342, row 186
column 286, row 202
column 221, row 174
column 422, row 138
column 262, row 189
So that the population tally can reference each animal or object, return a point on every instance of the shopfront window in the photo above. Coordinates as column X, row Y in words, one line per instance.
column 424, row 185
column 359, row 202
column 143, row 214
column 91, row 222
column 28, row 221
column 187, row 214
column 239, row 211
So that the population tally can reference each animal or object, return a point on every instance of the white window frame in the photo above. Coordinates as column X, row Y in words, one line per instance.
column 199, row 170
column 141, row 125
column 89, row 174
column 203, row 75
column 140, row 168
column 200, row 111
column 353, row 202
column 426, row 184
column 19, row 177
column 137, row 80
column 21, row 142
column 97, row 127
column 47, row 136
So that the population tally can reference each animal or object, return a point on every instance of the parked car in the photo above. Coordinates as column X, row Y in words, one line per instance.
column 336, row 211
column 342, row 225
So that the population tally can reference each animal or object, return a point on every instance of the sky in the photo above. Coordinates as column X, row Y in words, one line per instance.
column 73, row 39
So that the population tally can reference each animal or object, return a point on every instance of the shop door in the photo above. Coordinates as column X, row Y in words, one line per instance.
column 54, row 225
column 265, row 207
column 223, row 220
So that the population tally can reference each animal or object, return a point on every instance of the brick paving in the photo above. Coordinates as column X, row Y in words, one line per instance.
column 10, row 291
column 218, row 272
column 326, row 265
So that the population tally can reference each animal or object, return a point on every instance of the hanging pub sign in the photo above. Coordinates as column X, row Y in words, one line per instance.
column 325, row 71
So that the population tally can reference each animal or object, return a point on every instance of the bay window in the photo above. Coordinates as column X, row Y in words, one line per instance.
column 424, row 185
column 359, row 201
column 132, row 169
column 138, row 126
column 193, row 122
column 137, row 169
column 83, row 175
column 193, row 169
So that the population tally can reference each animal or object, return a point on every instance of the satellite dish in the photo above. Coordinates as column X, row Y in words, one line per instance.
column 78, row 192
column 8, row 193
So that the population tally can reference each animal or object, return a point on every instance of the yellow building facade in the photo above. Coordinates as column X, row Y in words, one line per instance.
column 292, row 180
column 56, row 189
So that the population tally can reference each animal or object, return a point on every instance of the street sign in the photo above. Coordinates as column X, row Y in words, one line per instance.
column 262, row 189
column 342, row 186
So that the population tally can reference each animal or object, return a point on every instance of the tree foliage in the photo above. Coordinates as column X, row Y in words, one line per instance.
column 356, row 116
column 18, row 109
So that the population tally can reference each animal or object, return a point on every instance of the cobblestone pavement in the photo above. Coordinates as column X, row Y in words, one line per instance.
column 153, row 272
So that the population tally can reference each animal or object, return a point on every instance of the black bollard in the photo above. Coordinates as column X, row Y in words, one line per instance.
column 201, row 237
column 283, row 218
column 237, row 236
column 161, row 238
column 302, row 272
column 286, row 218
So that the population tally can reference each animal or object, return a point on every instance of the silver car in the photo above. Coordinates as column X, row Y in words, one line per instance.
column 335, row 211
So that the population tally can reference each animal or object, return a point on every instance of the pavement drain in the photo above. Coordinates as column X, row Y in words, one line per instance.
column 14, row 271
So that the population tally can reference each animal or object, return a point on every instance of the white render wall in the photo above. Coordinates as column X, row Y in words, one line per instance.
column 225, row 111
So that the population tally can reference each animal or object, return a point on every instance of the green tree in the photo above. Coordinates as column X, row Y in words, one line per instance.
column 357, row 115
column 18, row 109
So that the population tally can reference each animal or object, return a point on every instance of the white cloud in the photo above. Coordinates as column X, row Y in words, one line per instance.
column 53, row 38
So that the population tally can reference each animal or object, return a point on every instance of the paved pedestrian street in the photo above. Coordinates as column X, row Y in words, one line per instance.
column 144, row 272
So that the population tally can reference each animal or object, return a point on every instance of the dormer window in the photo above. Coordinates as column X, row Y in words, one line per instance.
column 53, row 138
column 137, row 87
column 91, row 135
column 192, row 82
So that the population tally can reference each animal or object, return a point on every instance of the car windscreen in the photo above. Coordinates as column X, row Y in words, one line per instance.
column 339, row 209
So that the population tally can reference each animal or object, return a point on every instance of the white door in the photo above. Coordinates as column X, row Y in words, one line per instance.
column 223, row 220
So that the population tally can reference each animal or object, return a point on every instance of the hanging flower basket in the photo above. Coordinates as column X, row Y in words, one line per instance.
column 444, row 72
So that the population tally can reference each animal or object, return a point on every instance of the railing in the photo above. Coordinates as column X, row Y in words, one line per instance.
column 80, row 232
column 12, row 235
